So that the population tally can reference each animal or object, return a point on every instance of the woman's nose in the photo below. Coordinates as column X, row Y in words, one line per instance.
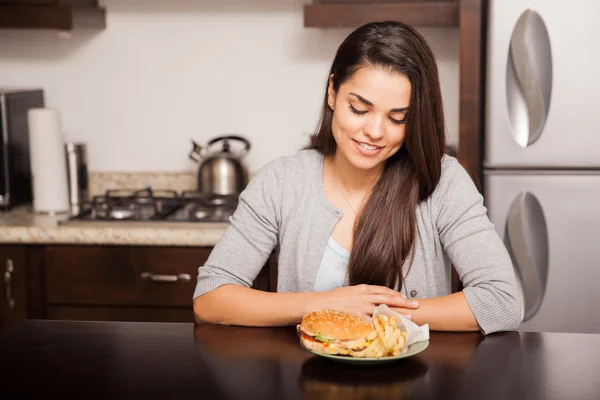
column 375, row 128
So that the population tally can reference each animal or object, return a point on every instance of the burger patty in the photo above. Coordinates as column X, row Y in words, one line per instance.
column 334, row 346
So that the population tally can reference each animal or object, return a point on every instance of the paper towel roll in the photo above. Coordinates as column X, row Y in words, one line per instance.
column 48, row 167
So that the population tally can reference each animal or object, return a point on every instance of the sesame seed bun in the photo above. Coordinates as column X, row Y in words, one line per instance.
column 338, row 325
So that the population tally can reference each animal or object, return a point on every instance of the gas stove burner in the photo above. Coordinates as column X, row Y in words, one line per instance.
column 210, row 214
column 216, row 200
column 199, row 213
column 144, row 200
column 122, row 214
column 210, row 199
column 148, row 205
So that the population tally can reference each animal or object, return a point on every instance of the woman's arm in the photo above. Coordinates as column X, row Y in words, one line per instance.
column 244, row 248
column 491, row 293
column 238, row 305
column 445, row 313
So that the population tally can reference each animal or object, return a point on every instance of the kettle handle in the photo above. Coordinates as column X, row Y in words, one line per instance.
column 196, row 153
column 231, row 137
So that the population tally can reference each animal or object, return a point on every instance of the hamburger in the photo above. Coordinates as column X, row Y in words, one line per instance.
column 334, row 332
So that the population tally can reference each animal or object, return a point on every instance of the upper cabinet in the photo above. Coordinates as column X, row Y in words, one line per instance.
column 353, row 13
column 51, row 14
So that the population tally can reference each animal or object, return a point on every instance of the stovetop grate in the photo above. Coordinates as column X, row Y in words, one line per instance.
column 150, row 205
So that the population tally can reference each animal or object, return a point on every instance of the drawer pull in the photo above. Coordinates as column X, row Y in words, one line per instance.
column 158, row 278
column 8, row 283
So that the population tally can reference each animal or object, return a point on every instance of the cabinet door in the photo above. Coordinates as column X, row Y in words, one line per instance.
column 13, row 295
column 122, row 275
column 125, row 283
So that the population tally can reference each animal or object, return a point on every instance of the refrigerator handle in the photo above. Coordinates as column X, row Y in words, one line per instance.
column 527, row 236
column 529, row 78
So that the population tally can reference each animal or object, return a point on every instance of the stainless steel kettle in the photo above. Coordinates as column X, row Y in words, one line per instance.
column 221, row 172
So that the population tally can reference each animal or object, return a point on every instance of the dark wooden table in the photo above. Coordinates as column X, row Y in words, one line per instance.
column 167, row 360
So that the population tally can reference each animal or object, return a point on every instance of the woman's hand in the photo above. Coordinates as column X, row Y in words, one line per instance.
column 362, row 299
column 404, row 311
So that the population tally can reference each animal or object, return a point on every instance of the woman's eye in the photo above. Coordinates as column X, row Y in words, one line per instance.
column 355, row 111
column 398, row 121
column 363, row 112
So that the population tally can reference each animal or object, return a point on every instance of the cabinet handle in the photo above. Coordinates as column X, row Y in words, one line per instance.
column 8, row 283
column 157, row 278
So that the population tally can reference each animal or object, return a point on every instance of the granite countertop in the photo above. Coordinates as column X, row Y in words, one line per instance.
column 23, row 226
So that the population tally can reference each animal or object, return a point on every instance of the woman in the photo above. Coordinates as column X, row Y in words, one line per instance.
column 371, row 213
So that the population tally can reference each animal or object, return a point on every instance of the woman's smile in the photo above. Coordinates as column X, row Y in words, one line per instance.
column 367, row 149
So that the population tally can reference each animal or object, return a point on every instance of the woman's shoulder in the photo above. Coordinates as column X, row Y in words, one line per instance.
column 455, row 181
column 295, row 166
column 306, row 158
column 453, row 170
column 449, row 163
column 304, row 161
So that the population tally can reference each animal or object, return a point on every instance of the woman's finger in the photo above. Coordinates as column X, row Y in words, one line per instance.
column 393, row 301
column 382, row 290
column 375, row 289
column 403, row 311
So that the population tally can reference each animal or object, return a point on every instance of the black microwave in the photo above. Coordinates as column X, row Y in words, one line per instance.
column 15, row 166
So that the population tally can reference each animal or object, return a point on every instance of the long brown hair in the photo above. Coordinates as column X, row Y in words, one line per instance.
column 386, row 228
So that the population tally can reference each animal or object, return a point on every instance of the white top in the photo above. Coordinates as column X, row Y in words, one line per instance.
column 333, row 270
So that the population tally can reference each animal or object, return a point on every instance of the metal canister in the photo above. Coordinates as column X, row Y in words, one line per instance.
column 77, row 174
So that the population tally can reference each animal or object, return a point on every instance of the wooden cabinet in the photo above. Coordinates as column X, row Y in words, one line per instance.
column 121, row 276
column 351, row 13
column 51, row 14
column 13, row 293
column 118, row 283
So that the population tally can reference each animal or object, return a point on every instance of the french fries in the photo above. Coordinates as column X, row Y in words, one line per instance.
column 385, row 340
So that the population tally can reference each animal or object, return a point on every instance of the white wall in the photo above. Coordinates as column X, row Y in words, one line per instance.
column 164, row 71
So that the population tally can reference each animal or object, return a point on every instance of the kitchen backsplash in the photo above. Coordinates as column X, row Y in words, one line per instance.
column 100, row 182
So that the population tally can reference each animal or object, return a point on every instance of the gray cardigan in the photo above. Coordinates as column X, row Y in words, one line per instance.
column 285, row 207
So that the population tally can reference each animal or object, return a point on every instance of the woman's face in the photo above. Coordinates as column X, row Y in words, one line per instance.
column 369, row 112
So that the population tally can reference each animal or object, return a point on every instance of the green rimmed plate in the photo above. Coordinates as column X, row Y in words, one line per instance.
column 413, row 349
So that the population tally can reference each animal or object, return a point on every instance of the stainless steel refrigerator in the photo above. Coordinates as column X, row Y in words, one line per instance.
column 542, row 155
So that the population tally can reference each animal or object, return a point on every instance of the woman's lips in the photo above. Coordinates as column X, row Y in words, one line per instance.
column 365, row 151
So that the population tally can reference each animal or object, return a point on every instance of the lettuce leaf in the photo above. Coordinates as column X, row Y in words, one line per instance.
column 320, row 338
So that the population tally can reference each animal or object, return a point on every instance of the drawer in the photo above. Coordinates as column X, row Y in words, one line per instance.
column 123, row 276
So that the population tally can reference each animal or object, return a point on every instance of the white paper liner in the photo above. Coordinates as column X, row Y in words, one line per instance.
column 414, row 332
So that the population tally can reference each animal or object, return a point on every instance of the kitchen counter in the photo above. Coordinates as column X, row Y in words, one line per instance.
column 23, row 226
column 203, row 361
